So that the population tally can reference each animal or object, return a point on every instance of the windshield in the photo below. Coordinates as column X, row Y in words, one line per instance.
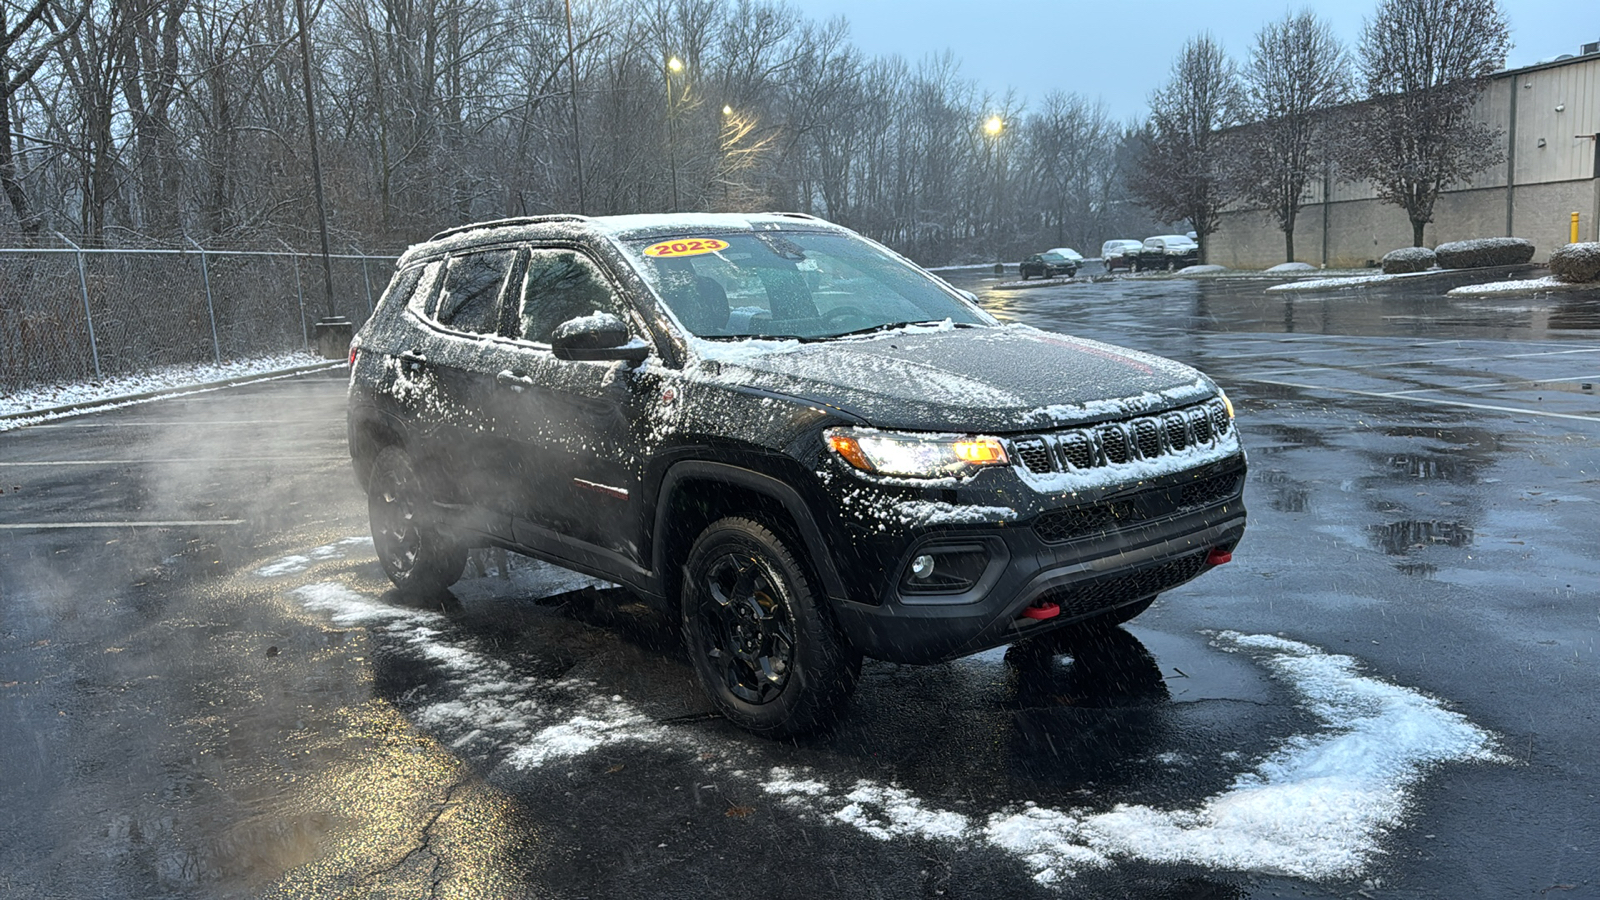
column 805, row 285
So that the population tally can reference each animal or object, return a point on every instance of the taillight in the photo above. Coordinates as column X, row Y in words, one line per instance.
column 353, row 348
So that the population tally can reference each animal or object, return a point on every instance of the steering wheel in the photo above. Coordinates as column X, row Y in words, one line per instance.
column 841, row 315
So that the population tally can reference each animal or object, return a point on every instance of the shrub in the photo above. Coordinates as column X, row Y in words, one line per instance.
column 1407, row 259
column 1476, row 254
column 1577, row 262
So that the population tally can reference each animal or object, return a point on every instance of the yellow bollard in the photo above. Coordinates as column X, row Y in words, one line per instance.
column 1574, row 238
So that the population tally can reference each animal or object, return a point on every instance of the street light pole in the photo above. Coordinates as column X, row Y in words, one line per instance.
column 333, row 331
column 674, row 64
column 577, row 139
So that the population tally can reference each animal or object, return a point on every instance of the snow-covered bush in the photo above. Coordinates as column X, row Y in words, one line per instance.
column 1577, row 263
column 1407, row 259
column 1480, row 252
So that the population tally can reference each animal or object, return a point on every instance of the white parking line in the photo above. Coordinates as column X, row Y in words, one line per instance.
column 1588, row 378
column 1426, row 362
column 1402, row 395
column 50, row 526
column 151, row 423
column 133, row 462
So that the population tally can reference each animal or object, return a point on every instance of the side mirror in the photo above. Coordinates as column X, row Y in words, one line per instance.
column 597, row 337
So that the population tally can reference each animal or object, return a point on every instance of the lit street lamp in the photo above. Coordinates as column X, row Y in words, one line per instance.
column 994, row 126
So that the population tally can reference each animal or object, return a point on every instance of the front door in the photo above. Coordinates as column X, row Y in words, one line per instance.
column 575, row 466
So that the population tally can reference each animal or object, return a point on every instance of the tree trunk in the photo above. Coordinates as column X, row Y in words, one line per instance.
column 1416, row 232
column 1288, row 244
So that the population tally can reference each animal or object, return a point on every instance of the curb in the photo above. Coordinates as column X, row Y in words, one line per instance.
column 91, row 405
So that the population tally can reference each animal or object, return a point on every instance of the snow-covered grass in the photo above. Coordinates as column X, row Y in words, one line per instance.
column 1290, row 268
column 1350, row 281
column 1520, row 288
column 112, row 389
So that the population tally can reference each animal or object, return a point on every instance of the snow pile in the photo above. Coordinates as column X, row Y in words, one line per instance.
column 125, row 390
column 1202, row 270
column 1577, row 263
column 1281, row 268
column 1483, row 252
column 1407, row 259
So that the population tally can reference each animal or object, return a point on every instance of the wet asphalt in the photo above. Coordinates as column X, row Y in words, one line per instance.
column 207, row 691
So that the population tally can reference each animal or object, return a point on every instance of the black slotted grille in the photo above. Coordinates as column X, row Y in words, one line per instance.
column 1118, row 443
column 1035, row 454
column 1148, row 438
column 1114, row 441
column 1105, row 593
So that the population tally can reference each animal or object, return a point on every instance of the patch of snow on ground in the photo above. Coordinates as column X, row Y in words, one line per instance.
column 1315, row 808
column 294, row 564
column 1517, row 287
column 109, row 389
column 1292, row 267
column 1349, row 281
column 497, row 709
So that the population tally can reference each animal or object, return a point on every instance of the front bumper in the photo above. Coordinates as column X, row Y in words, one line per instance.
column 1083, row 575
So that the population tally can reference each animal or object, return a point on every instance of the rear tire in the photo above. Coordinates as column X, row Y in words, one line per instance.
column 419, row 557
column 760, row 643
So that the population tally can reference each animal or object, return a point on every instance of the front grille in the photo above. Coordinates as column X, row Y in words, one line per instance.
column 1084, row 599
column 1061, row 525
column 1208, row 490
column 1117, row 443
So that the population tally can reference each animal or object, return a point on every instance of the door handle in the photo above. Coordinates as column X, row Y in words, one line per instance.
column 413, row 360
column 514, row 380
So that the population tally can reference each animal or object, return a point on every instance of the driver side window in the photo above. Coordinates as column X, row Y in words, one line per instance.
column 563, row 285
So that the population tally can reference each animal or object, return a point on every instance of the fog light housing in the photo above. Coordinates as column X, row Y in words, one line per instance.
column 945, row 569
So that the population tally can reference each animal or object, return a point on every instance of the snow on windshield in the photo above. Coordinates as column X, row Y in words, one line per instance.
column 800, row 285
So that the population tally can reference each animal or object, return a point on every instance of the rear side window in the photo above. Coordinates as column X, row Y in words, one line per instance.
column 424, row 282
column 563, row 285
column 470, row 300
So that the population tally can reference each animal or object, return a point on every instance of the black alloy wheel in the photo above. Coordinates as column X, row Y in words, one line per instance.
column 762, row 648
column 418, row 557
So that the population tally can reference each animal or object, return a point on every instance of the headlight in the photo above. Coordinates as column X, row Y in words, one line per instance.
column 915, row 455
column 1226, row 402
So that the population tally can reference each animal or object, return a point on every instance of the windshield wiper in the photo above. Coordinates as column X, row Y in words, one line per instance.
column 890, row 326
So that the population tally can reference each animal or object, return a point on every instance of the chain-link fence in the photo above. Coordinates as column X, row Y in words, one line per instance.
column 70, row 314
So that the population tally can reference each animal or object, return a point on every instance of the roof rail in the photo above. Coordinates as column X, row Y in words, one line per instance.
column 796, row 215
column 502, row 223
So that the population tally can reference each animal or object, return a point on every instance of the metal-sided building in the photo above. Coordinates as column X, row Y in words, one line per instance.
column 1549, row 117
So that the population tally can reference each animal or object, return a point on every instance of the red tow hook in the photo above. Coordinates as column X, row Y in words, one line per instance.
column 1218, row 556
column 1045, row 610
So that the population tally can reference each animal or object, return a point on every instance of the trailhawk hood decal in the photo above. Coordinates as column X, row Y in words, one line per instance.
column 1006, row 379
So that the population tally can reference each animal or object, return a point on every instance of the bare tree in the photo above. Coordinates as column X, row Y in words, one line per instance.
column 1424, row 63
column 1184, row 170
column 25, row 44
column 1297, row 72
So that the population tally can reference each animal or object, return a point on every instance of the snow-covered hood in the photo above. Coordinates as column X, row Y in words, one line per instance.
column 1002, row 379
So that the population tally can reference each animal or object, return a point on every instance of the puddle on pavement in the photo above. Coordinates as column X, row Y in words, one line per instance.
column 1400, row 538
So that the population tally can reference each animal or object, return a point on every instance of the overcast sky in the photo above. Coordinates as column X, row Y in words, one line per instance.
column 1120, row 51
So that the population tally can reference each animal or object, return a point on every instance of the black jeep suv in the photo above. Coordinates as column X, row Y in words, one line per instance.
column 798, row 443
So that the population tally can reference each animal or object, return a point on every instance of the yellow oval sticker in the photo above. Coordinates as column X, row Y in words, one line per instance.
column 685, row 247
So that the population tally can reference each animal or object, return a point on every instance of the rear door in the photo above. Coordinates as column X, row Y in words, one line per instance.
column 458, row 362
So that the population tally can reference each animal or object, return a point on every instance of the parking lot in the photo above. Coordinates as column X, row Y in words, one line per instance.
column 209, row 692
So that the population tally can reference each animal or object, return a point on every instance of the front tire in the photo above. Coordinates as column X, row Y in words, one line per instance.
column 759, row 641
column 416, row 554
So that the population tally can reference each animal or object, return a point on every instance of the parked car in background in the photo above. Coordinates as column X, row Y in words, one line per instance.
column 787, row 438
column 1120, row 254
column 1051, row 263
column 1168, row 251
